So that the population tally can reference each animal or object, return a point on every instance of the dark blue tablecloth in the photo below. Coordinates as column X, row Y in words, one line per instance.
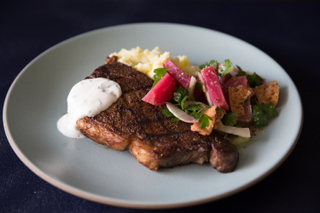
column 288, row 31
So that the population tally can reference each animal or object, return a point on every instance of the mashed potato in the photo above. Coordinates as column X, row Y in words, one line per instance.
column 148, row 60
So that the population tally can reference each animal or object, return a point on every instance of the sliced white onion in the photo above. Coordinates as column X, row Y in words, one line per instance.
column 188, row 103
column 243, row 132
column 182, row 115
column 192, row 86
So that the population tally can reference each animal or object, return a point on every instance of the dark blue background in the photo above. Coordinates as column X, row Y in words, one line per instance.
column 288, row 31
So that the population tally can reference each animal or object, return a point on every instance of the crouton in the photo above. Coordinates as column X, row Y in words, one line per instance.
column 237, row 97
column 213, row 113
column 268, row 93
column 219, row 114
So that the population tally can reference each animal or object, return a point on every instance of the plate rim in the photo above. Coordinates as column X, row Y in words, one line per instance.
column 117, row 202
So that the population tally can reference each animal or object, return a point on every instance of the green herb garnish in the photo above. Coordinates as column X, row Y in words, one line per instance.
column 241, row 72
column 175, row 119
column 194, row 110
column 269, row 109
column 204, row 121
column 168, row 114
column 213, row 63
column 261, row 113
column 159, row 73
column 180, row 94
column 253, row 80
column 226, row 67
column 199, row 86
column 230, row 119
column 193, row 107
column 219, row 108
column 182, row 102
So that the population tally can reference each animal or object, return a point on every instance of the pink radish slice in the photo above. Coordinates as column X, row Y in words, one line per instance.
column 162, row 92
column 236, row 81
column 182, row 78
column 213, row 87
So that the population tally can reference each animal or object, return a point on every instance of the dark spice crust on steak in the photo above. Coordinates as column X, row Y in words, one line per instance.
column 153, row 139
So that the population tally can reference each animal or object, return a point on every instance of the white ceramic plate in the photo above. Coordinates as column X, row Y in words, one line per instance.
column 37, row 99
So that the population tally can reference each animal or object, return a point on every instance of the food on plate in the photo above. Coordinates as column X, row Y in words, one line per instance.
column 146, row 61
column 169, row 112
column 87, row 98
column 152, row 138
column 268, row 93
column 237, row 97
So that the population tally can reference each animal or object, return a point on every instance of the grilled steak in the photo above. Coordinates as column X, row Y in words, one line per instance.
column 154, row 140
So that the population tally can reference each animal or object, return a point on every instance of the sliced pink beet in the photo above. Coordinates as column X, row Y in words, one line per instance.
column 213, row 88
column 162, row 92
column 236, row 81
column 182, row 78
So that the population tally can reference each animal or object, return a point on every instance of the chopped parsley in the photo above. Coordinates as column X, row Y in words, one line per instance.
column 180, row 94
column 159, row 73
column 261, row 113
column 230, row 119
column 175, row 119
column 199, row 86
column 213, row 63
column 253, row 80
column 195, row 110
column 219, row 108
column 204, row 121
column 168, row 114
column 225, row 67
column 241, row 72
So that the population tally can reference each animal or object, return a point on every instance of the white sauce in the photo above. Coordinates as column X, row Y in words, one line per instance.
column 87, row 98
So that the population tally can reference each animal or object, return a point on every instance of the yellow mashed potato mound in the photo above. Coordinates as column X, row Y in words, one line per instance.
column 147, row 61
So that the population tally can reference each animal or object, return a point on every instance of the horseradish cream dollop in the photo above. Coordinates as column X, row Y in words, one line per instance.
column 87, row 98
